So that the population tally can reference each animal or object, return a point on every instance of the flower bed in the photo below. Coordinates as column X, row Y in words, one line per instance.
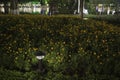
column 76, row 49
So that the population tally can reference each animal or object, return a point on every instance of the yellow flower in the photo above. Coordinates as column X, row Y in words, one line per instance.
column 98, row 57
column 94, row 53
column 14, row 42
column 16, row 58
column 16, row 52
column 63, row 42
column 35, row 49
column 20, row 49
column 113, row 54
column 52, row 48
column 69, row 55
column 101, row 63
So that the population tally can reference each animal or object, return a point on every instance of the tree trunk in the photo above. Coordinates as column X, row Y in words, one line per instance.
column 14, row 7
column 81, row 8
column 6, row 7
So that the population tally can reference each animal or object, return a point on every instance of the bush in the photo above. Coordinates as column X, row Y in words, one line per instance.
column 17, row 75
column 11, row 75
column 111, row 19
column 76, row 49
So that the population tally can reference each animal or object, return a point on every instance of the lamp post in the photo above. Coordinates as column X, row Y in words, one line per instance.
column 40, row 55
column 78, row 6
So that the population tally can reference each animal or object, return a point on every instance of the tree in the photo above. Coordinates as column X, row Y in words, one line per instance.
column 14, row 7
column 114, row 4
column 54, row 4
column 63, row 6
column 82, row 6
column 6, row 8
column 44, row 2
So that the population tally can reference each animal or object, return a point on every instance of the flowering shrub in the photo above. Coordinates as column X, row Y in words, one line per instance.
column 75, row 48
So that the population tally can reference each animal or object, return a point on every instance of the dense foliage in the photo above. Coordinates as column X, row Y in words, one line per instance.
column 63, row 6
column 76, row 49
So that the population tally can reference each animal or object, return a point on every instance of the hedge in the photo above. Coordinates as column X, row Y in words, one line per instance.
column 111, row 19
column 11, row 75
column 76, row 49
